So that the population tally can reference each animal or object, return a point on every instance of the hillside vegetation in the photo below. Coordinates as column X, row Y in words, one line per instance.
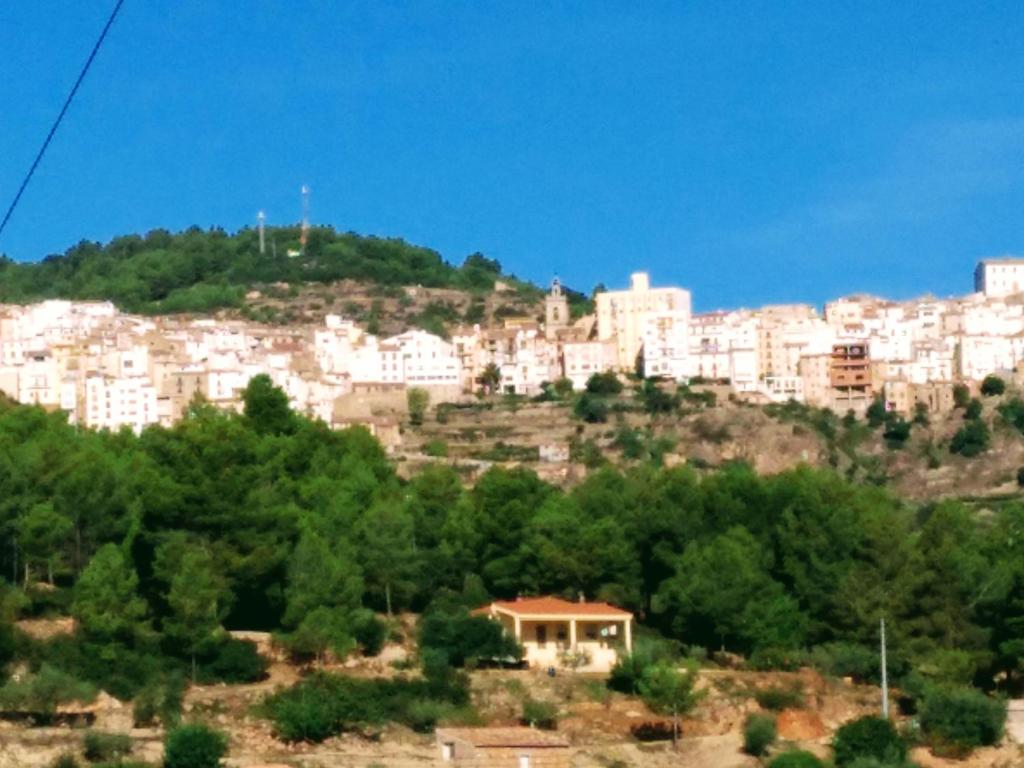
column 204, row 270
column 268, row 520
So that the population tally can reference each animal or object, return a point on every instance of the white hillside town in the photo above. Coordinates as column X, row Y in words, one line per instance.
column 110, row 370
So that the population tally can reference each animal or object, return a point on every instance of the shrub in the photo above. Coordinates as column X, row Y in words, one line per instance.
column 98, row 745
column 758, row 734
column 590, row 409
column 798, row 758
column 194, row 746
column 160, row 701
column 1020, row 477
column 776, row 698
column 625, row 676
column 956, row 720
column 652, row 730
column 974, row 409
column 436, row 448
column 870, row 737
column 369, row 631
column 67, row 760
column 303, row 715
column 323, row 705
column 876, row 412
column 896, row 433
column 461, row 638
column 992, row 385
column 40, row 693
column 234, row 661
column 847, row 660
column 971, row 439
column 539, row 714
column 605, row 383
column 780, row 659
column 422, row 714
column 1012, row 412
column 961, row 395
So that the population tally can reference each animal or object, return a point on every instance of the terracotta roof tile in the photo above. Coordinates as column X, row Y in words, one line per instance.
column 555, row 606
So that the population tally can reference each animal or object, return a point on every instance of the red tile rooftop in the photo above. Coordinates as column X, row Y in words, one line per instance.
column 553, row 606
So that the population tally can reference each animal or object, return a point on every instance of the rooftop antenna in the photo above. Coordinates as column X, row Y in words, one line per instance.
column 261, row 218
column 304, row 237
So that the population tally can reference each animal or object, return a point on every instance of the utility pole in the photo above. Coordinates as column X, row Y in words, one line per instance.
column 304, row 237
column 261, row 218
column 885, row 676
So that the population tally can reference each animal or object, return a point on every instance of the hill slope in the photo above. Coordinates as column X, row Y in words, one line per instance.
column 204, row 270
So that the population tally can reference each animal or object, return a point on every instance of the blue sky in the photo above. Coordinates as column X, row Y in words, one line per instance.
column 752, row 152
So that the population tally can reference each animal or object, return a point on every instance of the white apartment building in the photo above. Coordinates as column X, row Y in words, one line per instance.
column 666, row 344
column 724, row 345
column 112, row 403
column 582, row 359
column 621, row 315
column 1001, row 277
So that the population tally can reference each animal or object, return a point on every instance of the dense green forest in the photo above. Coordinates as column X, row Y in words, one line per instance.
column 203, row 270
column 267, row 520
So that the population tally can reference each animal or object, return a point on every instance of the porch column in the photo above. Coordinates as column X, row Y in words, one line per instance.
column 628, row 627
column 519, row 630
column 572, row 634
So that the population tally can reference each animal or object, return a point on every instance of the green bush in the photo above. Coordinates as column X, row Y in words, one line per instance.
column 961, row 395
column 539, row 714
column 369, row 631
column 194, row 746
column 992, row 385
column 957, row 720
column 436, row 448
column 847, row 660
column 98, row 745
column 797, row 758
column 67, row 760
column 974, row 409
column 606, row 383
column 323, row 705
column 776, row 698
column 448, row 629
column 971, row 439
column 42, row 692
column 160, row 701
column 759, row 733
column 233, row 661
column 423, row 714
column 591, row 409
column 870, row 737
column 629, row 668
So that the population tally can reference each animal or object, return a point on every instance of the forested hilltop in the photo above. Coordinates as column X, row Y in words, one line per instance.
column 267, row 520
column 204, row 270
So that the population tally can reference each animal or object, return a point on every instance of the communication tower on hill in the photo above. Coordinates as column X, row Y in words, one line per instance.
column 261, row 219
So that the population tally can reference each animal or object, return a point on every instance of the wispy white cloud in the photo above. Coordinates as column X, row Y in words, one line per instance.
column 931, row 172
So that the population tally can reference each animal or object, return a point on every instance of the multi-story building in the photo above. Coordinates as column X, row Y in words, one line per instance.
column 999, row 277
column 621, row 315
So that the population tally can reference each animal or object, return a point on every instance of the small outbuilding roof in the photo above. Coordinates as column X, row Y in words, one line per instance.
column 503, row 737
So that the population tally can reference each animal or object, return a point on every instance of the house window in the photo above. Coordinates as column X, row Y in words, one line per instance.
column 448, row 751
column 542, row 635
column 524, row 761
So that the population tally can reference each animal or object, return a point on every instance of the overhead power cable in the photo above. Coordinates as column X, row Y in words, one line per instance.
column 60, row 117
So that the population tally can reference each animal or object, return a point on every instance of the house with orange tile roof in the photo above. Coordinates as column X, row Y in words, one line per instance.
column 559, row 633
